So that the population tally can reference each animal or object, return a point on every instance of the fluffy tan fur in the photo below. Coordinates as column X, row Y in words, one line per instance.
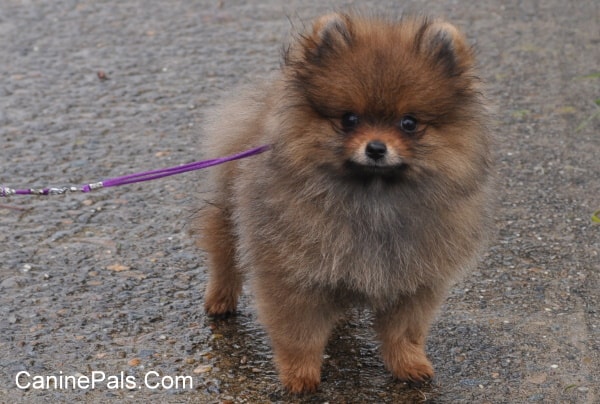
column 317, row 224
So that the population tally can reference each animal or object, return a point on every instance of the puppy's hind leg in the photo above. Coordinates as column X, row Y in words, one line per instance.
column 225, row 280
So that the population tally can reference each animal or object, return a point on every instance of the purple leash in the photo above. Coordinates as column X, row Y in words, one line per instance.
column 138, row 177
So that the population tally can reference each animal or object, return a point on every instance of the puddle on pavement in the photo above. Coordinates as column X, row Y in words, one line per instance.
column 352, row 370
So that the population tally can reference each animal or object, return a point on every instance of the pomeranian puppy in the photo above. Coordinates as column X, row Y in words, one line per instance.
column 375, row 191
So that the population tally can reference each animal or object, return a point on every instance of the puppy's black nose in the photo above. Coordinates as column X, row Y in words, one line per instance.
column 375, row 150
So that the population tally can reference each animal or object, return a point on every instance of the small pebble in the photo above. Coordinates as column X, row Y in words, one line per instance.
column 117, row 267
column 203, row 369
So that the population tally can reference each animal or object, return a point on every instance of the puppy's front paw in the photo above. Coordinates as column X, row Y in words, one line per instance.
column 415, row 373
column 408, row 363
column 299, row 368
column 303, row 380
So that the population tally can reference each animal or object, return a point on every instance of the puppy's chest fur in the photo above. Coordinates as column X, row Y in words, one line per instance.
column 369, row 244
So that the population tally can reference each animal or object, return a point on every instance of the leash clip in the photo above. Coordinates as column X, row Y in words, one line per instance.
column 58, row 191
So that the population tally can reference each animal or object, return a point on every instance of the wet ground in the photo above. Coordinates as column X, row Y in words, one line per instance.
column 109, row 283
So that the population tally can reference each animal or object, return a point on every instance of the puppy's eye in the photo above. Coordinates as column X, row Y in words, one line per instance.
column 408, row 124
column 350, row 121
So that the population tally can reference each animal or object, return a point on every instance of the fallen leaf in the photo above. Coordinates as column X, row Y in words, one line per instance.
column 134, row 362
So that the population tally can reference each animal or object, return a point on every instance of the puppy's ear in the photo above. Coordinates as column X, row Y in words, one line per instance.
column 448, row 47
column 331, row 33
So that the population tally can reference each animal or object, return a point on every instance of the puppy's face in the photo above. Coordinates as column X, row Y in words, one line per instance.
column 384, row 99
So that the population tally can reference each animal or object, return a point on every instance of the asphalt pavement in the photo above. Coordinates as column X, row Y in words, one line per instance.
column 101, row 293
